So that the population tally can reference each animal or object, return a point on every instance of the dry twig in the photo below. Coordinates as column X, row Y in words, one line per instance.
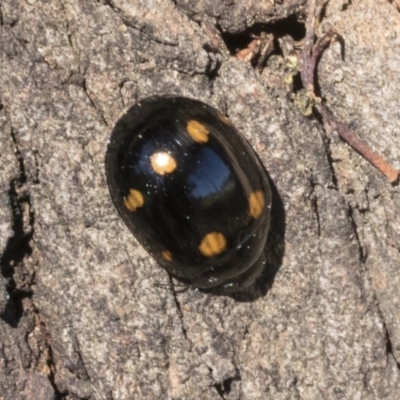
column 309, row 57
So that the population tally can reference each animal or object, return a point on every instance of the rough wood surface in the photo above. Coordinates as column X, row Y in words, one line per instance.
column 82, row 314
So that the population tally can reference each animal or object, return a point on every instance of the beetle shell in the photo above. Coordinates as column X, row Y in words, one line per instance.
column 191, row 190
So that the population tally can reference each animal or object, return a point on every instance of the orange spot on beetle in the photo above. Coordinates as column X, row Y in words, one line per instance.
column 197, row 131
column 133, row 200
column 212, row 244
column 224, row 119
column 163, row 163
column 256, row 203
column 166, row 255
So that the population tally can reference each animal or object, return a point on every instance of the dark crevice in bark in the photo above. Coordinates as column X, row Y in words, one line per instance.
column 58, row 395
column 178, row 307
column 81, row 370
column 290, row 26
column 224, row 388
column 362, row 253
column 67, row 25
column 347, row 5
column 315, row 208
column 145, row 32
column 326, row 140
column 109, row 3
column 35, row 177
column 213, row 66
column 395, row 3
column 332, row 168
column 78, row 369
column 389, row 348
column 99, row 113
column 18, row 246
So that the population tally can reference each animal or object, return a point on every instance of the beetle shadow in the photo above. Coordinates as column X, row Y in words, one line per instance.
column 274, row 251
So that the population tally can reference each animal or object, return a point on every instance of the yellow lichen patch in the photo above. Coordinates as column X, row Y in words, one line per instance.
column 256, row 203
column 133, row 200
column 166, row 255
column 305, row 101
column 212, row 244
column 163, row 163
column 197, row 131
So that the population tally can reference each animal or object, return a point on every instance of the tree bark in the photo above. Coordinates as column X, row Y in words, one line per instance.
column 83, row 315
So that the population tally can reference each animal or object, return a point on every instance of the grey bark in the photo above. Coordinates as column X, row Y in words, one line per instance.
column 82, row 314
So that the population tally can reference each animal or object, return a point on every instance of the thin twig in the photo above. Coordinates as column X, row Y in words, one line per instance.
column 309, row 58
column 357, row 144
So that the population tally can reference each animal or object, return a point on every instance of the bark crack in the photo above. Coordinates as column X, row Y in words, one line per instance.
column 178, row 307
column 18, row 246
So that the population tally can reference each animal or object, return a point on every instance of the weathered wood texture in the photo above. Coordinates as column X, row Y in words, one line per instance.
column 82, row 316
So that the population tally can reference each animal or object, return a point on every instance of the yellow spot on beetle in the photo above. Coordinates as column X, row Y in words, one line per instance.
column 197, row 131
column 163, row 163
column 256, row 203
column 133, row 200
column 212, row 244
column 166, row 255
